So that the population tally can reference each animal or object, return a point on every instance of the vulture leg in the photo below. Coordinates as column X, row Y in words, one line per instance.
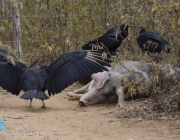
column 30, row 105
column 43, row 106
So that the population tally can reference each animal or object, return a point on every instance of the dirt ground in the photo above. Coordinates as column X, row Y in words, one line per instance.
column 66, row 120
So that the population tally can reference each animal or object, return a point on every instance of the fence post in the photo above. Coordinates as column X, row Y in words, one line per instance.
column 17, row 30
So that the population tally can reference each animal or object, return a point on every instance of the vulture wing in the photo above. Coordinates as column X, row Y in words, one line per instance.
column 71, row 67
column 11, row 72
column 109, row 40
column 154, row 36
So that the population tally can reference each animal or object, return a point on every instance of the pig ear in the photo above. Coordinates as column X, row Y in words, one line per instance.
column 100, row 78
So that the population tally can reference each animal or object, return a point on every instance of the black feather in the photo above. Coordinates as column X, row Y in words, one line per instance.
column 41, row 95
column 76, row 65
column 30, row 94
column 8, row 71
column 63, row 72
column 110, row 41
column 152, row 42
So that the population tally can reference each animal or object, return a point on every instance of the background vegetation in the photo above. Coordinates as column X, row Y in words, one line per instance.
column 52, row 27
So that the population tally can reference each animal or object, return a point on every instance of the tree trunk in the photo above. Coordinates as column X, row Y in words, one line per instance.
column 17, row 30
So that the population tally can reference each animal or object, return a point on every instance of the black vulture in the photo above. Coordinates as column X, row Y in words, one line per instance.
column 111, row 40
column 64, row 71
column 108, row 42
column 152, row 42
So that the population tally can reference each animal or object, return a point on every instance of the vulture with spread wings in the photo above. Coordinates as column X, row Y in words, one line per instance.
column 64, row 71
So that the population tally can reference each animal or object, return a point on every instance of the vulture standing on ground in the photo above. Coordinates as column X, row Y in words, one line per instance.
column 152, row 42
column 64, row 71
column 111, row 40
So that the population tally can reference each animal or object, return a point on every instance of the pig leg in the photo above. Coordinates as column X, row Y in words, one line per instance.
column 77, row 94
column 120, row 101
column 82, row 89
column 74, row 96
column 120, row 98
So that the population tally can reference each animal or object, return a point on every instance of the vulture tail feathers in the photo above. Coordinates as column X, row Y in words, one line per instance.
column 41, row 95
column 30, row 94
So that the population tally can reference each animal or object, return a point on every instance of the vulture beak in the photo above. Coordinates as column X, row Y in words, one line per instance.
column 127, row 26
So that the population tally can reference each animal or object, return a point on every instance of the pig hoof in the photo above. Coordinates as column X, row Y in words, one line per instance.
column 70, row 93
column 81, row 103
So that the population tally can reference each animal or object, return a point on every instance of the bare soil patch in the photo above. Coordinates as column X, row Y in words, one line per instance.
column 66, row 120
